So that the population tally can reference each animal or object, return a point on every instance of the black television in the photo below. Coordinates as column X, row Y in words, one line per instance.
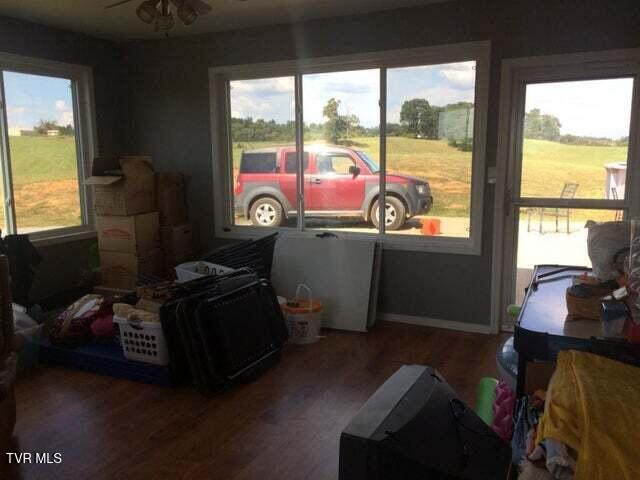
column 416, row 427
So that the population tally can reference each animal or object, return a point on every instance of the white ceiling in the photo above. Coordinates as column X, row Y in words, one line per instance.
column 121, row 23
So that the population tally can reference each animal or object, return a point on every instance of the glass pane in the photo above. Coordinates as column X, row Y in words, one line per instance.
column 42, row 145
column 263, row 139
column 553, row 236
column 341, row 133
column 430, row 111
column 576, row 137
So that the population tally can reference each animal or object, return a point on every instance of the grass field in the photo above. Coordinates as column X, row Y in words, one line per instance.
column 546, row 168
column 46, row 188
column 45, row 181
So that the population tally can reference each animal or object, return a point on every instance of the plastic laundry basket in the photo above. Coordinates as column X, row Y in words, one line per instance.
column 192, row 270
column 303, row 317
column 143, row 341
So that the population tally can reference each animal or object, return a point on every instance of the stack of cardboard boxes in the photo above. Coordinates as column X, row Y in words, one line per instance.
column 178, row 235
column 138, row 215
column 127, row 222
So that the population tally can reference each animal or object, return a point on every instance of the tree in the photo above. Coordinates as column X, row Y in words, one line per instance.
column 541, row 127
column 45, row 125
column 334, row 126
column 339, row 127
column 419, row 118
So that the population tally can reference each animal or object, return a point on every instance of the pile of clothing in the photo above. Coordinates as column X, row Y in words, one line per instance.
column 584, row 426
column 91, row 318
column 546, row 459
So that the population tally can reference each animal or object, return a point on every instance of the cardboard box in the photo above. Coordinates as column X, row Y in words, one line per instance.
column 123, row 185
column 170, row 194
column 132, row 234
column 120, row 270
column 179, row 244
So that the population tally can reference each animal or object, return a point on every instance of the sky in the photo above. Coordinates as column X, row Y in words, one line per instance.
column 598, row 108
column 594, row 108
column 31, row 98
column 357, row 90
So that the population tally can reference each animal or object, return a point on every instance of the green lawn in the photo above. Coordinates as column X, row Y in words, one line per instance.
column 42, row 159
column 548, row 165
column 45, row 181
column 46, row 192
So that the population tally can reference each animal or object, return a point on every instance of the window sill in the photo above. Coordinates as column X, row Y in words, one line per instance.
column 446, row 245
column 45, row 239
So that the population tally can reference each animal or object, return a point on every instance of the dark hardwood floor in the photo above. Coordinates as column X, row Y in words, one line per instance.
column 284, row 425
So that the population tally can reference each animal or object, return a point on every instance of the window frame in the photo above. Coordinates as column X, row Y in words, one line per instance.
column 221, row 141
column 81, row 78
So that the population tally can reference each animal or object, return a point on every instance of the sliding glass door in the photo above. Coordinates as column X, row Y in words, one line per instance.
column 325, row 144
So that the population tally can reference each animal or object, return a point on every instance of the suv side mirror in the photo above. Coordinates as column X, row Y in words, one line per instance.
column 353, row 170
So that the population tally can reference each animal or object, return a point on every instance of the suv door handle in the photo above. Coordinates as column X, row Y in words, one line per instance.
column 317, row 181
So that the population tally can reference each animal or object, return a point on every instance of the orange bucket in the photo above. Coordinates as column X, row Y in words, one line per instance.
column 431, row 226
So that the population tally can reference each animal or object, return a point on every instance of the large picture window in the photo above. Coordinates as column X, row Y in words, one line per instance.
column 44, row 144
column 323, row 144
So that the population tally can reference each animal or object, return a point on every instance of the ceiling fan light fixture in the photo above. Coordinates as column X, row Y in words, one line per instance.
column 187, row 13
column 147, row 11
column 164, row 23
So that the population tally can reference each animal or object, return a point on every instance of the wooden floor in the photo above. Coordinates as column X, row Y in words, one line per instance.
column 285, row 425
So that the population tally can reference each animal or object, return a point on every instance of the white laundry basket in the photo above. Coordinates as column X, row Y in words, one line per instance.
column 143, row 341
column 303, row 317
column 192, row 270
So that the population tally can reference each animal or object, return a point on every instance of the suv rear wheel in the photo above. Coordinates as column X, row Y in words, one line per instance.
column 266, row 212
column 394, row 215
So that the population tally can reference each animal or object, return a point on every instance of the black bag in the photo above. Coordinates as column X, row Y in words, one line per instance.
column 23, row 259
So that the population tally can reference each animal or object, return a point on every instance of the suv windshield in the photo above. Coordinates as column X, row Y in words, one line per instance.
column 373, row 166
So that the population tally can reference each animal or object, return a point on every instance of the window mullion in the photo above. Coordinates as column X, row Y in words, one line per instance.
column 382, row 176
column 299, row 120
column 9, row 210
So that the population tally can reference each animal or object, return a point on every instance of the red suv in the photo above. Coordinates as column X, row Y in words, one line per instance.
column 339, row 182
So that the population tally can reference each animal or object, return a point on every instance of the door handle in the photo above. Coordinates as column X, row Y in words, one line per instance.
column 317, row 181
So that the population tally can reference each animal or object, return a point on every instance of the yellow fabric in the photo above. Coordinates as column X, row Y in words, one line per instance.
column 593, row 406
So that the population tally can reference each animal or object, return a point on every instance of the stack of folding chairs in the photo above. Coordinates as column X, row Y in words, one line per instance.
column 227, row 328
column 254, row 254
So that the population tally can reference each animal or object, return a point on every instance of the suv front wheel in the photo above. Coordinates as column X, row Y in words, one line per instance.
column 266, row 212
column 394, row 215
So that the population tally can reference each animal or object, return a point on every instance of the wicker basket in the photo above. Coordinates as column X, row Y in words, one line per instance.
column 586, row 307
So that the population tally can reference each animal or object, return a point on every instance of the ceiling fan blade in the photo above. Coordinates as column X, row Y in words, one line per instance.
column 199, row 6
column 117, row 4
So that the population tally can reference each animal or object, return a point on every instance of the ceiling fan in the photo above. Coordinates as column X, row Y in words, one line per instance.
column 158, row 12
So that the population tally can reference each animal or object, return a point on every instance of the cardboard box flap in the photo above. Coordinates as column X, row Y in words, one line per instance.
column 102, row 180
column 103, row 168
column 136, row 166
column 102, row 171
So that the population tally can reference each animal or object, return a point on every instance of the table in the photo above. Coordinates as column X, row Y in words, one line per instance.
column 542, row 328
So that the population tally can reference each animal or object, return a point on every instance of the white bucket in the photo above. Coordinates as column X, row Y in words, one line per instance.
column 304, row 317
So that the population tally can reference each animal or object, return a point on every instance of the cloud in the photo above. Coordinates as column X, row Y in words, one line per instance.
column 264, row 87
column 460, row 75
column 65, row 118
column 348, row 87
column 60, row 105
